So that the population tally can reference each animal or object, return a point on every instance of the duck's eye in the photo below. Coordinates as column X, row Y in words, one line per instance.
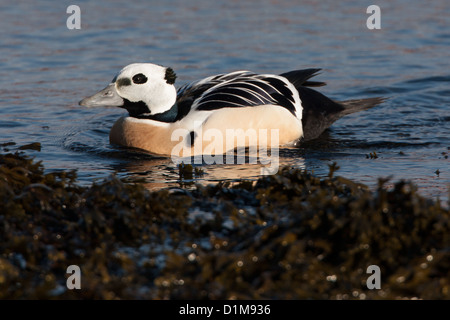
column 139, row 78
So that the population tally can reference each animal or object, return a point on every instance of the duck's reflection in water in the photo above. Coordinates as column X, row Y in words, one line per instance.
column 158, row 173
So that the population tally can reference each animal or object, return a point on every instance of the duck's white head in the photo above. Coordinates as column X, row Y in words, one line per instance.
column 144, row 89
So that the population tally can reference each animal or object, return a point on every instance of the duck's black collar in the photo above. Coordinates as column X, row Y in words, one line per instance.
column 167, row 116
column 140, row 110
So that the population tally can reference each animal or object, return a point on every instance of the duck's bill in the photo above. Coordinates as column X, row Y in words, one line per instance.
column 107, row 97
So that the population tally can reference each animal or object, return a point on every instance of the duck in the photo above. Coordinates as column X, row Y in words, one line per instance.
column 240, row 109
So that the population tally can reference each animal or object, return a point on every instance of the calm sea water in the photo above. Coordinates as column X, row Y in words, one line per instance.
column 45, row 69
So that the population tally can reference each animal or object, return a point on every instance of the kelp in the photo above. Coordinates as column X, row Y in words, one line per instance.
column 291, row 235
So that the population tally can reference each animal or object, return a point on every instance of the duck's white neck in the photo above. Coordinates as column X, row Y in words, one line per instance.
column 160, row 98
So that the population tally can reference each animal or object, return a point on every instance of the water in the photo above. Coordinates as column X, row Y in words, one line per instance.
column 45, row 69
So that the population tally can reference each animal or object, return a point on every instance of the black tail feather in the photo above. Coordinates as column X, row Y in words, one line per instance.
column 352, row 106
column 320, row 112
column 299, row 77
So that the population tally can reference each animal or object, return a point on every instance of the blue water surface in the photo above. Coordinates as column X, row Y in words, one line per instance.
column 45, row 69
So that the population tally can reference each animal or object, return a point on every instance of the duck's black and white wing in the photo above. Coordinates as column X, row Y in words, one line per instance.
column 250, row 90
column 188, row 94
column 243, row 89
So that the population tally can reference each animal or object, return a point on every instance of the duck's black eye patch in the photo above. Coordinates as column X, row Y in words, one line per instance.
column 170, row 76
column 139, row 78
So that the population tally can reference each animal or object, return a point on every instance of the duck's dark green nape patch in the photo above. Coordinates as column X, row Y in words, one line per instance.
column 170, row 76
column 123, row 82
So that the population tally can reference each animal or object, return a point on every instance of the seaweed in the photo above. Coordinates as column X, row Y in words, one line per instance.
column 291, row 235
